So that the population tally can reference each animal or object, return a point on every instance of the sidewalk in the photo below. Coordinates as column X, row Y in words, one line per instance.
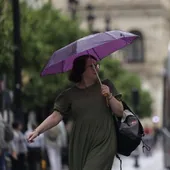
column 154, row 162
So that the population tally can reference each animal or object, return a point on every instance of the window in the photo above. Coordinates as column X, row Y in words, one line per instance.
column 135, row 51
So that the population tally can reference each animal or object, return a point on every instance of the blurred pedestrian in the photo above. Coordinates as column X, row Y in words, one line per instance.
column 35, row 150
column 136, row 154
column 93, row 137
column 148, row 139
column 6, row 135
column 18, row 148
column 2, row 144
column 156, row 135
column 55, row 140
column 147, row 130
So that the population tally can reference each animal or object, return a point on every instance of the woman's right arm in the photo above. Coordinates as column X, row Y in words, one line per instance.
column 48, row 123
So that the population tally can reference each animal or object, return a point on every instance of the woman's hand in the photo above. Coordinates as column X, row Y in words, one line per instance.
column 32, row 136
column 51, row 121
column 105, row 90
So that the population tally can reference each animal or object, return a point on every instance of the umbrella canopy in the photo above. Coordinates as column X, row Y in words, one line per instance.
column 98, row 45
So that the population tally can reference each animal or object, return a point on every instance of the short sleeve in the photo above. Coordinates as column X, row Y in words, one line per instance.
column 62, row 103
column 113, row 89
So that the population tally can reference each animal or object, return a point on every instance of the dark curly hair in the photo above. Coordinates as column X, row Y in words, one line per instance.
column 79, row 68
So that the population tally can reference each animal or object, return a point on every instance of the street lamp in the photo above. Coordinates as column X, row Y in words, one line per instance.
column 90, row 17
column 73, row 4
column 107, row 21
column 17, row 60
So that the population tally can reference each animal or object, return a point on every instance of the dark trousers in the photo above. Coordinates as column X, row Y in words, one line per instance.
column 34, row 158
column 2, row 161
column 19, row 164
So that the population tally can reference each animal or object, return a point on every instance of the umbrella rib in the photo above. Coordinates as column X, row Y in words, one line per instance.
column 96, row 53
column 109, row 34
column 122, row 35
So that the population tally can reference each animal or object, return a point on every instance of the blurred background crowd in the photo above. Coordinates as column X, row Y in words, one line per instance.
column 48, row 150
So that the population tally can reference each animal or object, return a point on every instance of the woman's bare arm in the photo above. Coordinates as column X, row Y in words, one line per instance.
column 116, row 106
column 49, row 122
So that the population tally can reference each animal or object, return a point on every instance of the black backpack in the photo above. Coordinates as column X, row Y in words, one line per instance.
column 128, row 133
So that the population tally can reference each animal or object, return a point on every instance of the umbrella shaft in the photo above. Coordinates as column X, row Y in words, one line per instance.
column 97, row 74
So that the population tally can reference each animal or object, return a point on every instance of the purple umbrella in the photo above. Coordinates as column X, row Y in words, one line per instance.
column 98, row 45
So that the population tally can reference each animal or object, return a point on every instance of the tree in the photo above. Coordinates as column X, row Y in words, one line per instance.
column 6, row 47
column 125, row 82
column 43, row 31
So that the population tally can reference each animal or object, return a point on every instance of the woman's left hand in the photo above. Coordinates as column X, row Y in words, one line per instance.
column 105, row 90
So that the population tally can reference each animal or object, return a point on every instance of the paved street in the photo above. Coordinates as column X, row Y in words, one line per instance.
column 154, row 162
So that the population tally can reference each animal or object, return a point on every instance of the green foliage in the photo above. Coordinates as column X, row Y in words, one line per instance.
column 125, row 82
column 43, row 31
column 145, row 104
column 6, row 47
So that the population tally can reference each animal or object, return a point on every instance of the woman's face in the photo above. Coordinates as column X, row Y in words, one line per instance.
column 89, row 70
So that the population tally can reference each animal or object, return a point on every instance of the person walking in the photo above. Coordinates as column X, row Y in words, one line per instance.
column 55, row 140
column 2, row 144
column 93, row 136
column 35, row 150
column 18, row 148
column 6, row 136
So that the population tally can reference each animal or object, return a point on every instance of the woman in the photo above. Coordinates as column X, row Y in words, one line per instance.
column 93, row 138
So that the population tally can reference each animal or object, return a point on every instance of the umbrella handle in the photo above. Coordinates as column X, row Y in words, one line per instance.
column 107, row 99
column 106, row 95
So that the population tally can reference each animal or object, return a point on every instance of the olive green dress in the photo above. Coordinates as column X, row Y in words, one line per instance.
column 93, row 138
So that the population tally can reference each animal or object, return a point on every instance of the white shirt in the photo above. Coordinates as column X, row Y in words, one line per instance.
column 19, row 142
column 38, row 141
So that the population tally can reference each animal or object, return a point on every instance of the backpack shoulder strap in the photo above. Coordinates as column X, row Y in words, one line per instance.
column 113, row 89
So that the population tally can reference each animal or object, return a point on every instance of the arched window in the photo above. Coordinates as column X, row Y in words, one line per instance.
column 135, row 51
